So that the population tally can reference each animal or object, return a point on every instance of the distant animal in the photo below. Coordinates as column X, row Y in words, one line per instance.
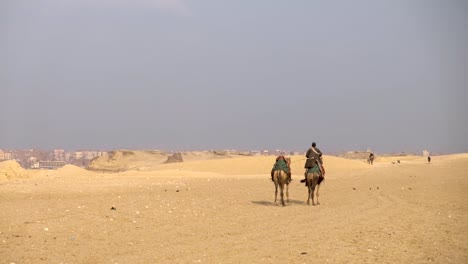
column 281, row 180
column 313, row 180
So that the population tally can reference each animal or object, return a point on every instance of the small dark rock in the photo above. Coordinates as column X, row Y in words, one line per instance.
column 354, row 188
column 303, row 253
column 177, row 191
column 113, row 208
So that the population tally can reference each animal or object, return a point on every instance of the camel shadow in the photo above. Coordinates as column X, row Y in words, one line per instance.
column 264, row 203
column 267, row 203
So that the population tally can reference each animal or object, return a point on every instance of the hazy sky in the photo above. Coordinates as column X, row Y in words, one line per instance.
column 253, row 74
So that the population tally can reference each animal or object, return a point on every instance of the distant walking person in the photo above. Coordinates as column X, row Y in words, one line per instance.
column 428, row 159
column 314, row 158
column 370, row 160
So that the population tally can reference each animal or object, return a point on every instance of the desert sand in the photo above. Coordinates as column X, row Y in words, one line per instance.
column 220, row 210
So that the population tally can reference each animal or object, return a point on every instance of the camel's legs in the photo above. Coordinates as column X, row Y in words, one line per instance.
column 318, row 188
column 313, row 190
column 282, row 194
column 287, row 193
column 276, row 192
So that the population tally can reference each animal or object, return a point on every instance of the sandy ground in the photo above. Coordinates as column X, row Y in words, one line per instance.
column 411, row 212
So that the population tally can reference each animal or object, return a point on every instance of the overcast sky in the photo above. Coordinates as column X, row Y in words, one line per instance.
column 253, row 74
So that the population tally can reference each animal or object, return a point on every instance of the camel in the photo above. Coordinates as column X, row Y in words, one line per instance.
column 280, row 178
column 370, row 159
column 312, row 182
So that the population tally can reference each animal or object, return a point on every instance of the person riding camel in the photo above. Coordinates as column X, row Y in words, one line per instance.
column 281, row 164
column 314, row 158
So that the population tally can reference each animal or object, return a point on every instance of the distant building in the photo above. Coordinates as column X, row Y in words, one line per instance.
column 51, row 164
column 425, row 153
column 78, row 155
column 87, row 154
column 8, row 156
column 32, row 163
column 2, row 155
column 59, row 154
column 68, row 156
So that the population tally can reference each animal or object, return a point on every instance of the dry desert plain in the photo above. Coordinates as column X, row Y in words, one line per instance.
column 221, row 210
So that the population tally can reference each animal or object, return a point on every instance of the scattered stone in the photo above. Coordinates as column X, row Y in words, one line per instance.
column 354, row 188
column 410, row 188
column 303, row 253
column 113, row 208
column 176, row 157
column 177, row 191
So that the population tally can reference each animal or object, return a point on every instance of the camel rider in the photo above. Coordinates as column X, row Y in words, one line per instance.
column 314, row 157
column 281, row 164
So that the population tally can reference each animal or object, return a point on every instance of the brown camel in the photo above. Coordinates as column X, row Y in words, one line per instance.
column 281, row 179
column 312, row 181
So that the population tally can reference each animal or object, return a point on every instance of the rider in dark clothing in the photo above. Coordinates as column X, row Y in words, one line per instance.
column 314, row 157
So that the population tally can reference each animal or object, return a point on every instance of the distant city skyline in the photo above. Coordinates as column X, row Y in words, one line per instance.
column 248, row 75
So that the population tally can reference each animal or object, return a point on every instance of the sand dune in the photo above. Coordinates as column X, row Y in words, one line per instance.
column 208, row 161
column 11, row 169
column 124, row 160
column 260, row 165
column 222, row 211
